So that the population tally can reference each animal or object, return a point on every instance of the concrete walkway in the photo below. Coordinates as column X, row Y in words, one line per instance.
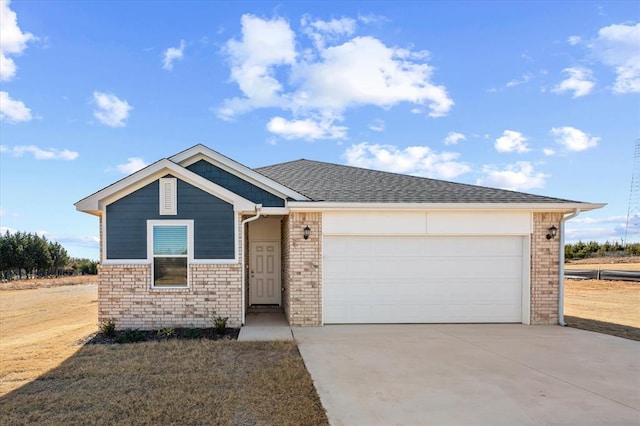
column 472, row 375
column 265, row 326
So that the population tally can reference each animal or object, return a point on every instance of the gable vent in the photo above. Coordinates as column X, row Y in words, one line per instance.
column 168, row 196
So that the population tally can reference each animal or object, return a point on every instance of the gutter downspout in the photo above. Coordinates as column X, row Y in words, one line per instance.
column 244, row 222
column 575, row 213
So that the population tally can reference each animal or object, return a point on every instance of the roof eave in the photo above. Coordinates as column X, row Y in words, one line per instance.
column 562, row 207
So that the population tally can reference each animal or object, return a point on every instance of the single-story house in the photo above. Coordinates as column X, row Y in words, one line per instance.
column 199, row 235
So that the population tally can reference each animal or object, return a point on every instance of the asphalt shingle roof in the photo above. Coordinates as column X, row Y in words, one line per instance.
column 321, row 181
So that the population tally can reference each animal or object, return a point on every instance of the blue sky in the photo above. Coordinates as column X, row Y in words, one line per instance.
column 541, row 97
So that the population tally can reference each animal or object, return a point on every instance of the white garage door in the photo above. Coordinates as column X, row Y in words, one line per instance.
column 384, row 279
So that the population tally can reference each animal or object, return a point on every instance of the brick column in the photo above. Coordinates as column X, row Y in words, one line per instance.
column 303, row 272
column 544, row 269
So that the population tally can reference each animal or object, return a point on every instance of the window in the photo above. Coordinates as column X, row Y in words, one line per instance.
column 170, row 250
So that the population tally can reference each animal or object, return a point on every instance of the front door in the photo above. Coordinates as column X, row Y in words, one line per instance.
column 264, row 273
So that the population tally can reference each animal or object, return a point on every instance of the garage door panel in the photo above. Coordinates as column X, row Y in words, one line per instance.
column 422, row 279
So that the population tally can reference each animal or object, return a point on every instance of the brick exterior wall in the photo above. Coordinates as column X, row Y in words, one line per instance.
column 126, row 296
column 302, row 273
column 544, row 269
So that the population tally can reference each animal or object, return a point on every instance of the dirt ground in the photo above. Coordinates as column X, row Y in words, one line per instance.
column 41, row 327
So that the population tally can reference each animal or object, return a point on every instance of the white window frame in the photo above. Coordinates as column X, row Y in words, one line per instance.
column 190, row 248
column 168, row 190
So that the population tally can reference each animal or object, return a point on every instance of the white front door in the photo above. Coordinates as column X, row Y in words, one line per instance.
column 264, row 273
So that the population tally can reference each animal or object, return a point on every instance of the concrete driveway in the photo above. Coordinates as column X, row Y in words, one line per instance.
column 472, row 375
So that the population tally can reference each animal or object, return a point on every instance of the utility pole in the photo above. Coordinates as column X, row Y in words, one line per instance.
column 634, row 195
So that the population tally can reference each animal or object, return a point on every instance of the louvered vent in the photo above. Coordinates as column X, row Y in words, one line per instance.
column 168, row 196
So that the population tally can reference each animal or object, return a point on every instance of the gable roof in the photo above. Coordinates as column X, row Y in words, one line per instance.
column 125, row 186
column 202, row 152
column 345, row 184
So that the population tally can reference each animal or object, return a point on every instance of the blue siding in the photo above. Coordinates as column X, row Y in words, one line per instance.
column 236, row 185
column 127, row 222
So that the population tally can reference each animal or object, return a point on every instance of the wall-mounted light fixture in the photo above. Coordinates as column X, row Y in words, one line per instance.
column 306, row 231
column 553, row 231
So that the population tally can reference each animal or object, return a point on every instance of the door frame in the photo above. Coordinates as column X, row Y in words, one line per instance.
column 277, row 267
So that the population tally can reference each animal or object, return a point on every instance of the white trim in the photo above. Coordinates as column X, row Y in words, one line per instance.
column 316, row 206
column 93, row 203
column 201, row 152
column 125, row 262
column 168, row 199
column 190, row 247
column 275, row 211
column 526, row 279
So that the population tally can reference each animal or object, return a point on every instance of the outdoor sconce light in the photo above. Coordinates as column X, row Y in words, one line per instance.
column 306, row 232
column 552, row 232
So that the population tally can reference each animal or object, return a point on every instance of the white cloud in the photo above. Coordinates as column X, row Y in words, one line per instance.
column 524, row 79
column 549, row 151
column 39, row 153
column 264, row 45
column 377, row 125
column 364, row 71
column 618, row 46
column 609, row 219
column 308, row 129
column 574, row 139
column 580, row 82
column 516, row 177
column 573, row 40
column 511, row 141
column 611, row 228
column 171, row 55
column 413, row 160
column 5, row 229
column 322, row 32
column 13, row 111
column 453, row 138
column 331, row 77
column 111, row 111
column 12, row 42
column 132, row 165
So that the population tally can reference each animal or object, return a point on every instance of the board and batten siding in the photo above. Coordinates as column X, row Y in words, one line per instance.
column 127, row 222
column 235, row 184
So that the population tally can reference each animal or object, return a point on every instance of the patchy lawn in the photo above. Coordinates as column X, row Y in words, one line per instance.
column 173, row 382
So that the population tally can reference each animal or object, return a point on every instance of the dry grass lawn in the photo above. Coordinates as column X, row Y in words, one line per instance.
column 611, row 307
column 172, row 382
column 40, row 328
column 47, row 378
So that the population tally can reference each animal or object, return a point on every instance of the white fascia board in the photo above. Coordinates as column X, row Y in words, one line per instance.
column 201, row 152
column 275, row 211
column 530, row 207
column 95, row 202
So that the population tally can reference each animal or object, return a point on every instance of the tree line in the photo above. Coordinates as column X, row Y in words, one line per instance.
column 32, row 256
column 582, row 250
